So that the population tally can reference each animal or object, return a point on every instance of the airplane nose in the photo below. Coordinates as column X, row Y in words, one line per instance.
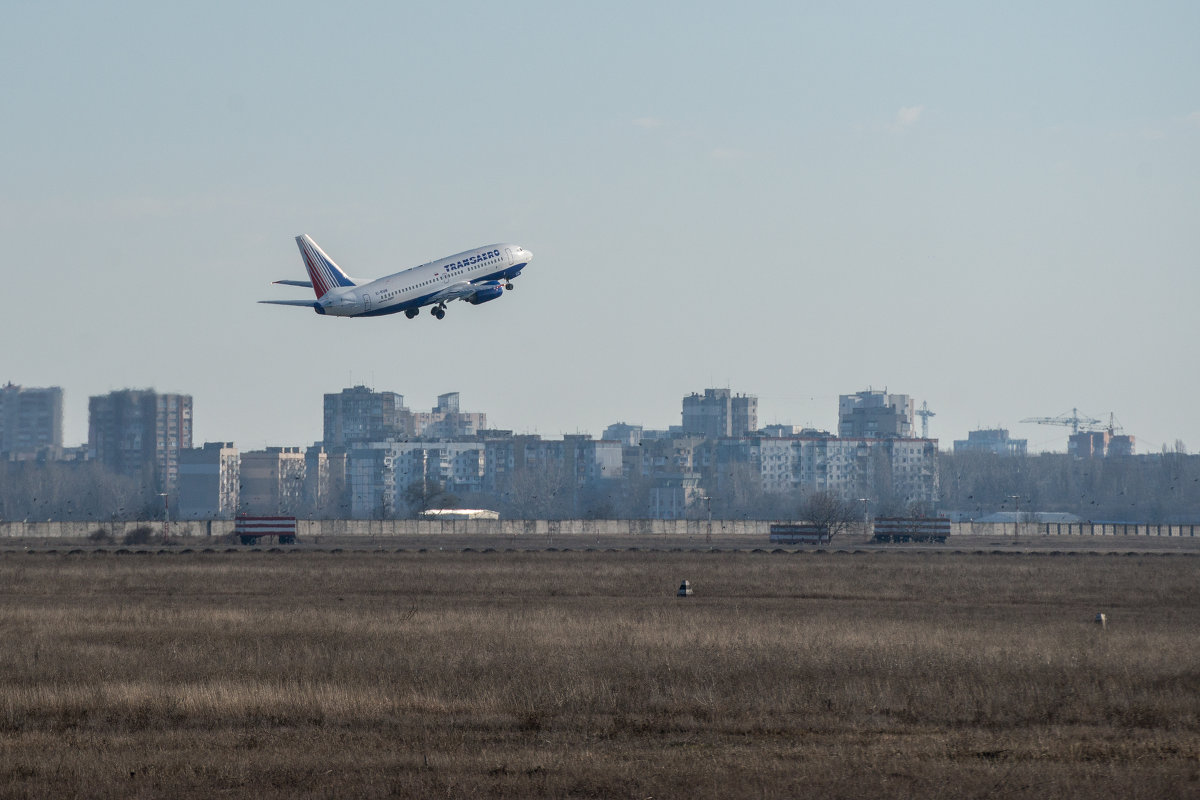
column 528, row 254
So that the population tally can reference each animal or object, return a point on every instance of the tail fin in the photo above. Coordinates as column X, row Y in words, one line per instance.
column 325, row 274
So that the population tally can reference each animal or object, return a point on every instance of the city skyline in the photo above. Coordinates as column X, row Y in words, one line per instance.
column 990, row 208
column 945, row 443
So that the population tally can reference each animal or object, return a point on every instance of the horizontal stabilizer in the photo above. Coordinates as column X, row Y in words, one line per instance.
column 303, row 303
column 305, row 284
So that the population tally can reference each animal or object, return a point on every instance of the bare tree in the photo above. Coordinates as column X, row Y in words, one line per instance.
column 423, row 495
column 540, row 493
column 829, row 510
column 631, row 496
column 738, row 492
column 66, row 491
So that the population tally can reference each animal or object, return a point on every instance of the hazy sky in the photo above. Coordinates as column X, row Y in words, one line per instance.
column 992, row 207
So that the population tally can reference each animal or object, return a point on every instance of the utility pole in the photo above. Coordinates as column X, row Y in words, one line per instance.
column 166, row 517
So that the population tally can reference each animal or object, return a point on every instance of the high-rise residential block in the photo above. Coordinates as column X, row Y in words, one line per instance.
column 139, row 433
column 447, row 421
column 875, row 414
column 718, row 412
column 30, row 419
column 359, row 415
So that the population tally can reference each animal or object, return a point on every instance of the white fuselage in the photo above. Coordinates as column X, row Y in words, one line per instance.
column 468, row 275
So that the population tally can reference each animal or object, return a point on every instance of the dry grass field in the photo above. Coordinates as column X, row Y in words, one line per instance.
column 580, row 674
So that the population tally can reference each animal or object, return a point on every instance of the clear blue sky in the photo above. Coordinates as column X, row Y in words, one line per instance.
column 992, row 207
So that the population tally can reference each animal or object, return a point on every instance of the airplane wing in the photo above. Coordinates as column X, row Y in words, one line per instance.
column 455, row 291
column 473, row 293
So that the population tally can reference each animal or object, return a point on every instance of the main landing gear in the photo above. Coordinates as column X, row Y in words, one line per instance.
column 412, row 312
column 438, row 311
column 509, row 286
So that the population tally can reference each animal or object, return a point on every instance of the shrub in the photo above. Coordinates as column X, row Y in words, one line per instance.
column 100, row 536
column 142, row 534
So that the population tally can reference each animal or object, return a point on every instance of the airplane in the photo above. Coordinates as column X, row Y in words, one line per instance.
column 475, row 276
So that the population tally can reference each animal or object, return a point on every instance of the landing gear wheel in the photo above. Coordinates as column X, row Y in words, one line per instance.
column 410, row 313
column 439, row 312
column 509, row 286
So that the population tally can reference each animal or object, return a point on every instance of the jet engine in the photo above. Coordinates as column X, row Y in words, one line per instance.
column 489, row 292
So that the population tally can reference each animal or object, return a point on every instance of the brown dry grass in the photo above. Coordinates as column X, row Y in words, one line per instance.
column 580, row 674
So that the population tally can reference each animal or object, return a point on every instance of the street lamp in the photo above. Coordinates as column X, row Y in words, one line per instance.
column 1016, row 498
column 708, row 535
column 866, row 515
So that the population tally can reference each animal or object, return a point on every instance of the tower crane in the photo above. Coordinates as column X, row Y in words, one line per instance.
column 1074, row 419
column 924, row 413
column 1113, row 428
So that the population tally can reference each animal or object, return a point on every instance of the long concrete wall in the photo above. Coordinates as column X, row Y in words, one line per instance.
column 406, row 527
column 1072, row 529
column 309, row 529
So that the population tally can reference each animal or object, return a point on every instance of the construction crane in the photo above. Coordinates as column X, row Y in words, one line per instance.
column 924, row 413
column 1113, row 428
column 1075, row 420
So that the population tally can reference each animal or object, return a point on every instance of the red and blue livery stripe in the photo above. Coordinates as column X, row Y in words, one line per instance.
column 322, row 271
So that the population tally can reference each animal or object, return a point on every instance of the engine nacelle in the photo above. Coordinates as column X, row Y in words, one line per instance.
column 485, row 294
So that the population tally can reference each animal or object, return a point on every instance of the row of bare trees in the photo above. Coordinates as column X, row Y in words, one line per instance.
column 1160, row 488
column 1149, row 489
column 551, row 494
column 40, row 491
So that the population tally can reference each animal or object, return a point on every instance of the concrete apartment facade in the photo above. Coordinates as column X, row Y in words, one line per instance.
column 30, row 420
column 140, row 433
column 991, row 440
column 272, row 481
column 209, row 481
column 718, row 412
column 875, row 414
